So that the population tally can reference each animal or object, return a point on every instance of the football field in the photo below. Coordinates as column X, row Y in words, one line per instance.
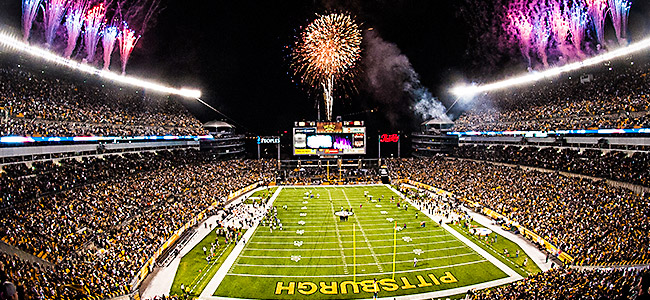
column 318, row 256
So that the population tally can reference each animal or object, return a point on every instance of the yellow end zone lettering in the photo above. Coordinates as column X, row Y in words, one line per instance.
column 368, row 286
column 290, row 288
column 302, row 286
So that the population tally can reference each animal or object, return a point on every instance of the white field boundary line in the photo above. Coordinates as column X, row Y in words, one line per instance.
column 341, row 242
column 212, row 264
column 376, row 247
column 228, row 263
column 411, row 234
column 162, row 282
column 361, row 274
column 522, row 243
column 364, row 255
column 363, row 233
column 510, row 272
column 325, row 217
column 366, row 264
column 533, row 253
column 338, row 236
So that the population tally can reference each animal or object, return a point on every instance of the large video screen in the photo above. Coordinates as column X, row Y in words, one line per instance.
column 329, row 138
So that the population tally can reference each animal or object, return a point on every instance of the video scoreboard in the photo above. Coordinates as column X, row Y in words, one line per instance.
column 329, row 138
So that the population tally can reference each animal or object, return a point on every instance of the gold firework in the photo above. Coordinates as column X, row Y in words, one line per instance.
column 325, row 53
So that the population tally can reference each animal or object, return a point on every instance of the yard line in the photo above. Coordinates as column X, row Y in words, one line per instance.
column 338, row 256
column 371, row 229
column 367, row 264
column 385, row 222
column 369, row 274
column 338, row 235
column 339, row 241
column 268, row 236
column 372, row 251
column 376, row 247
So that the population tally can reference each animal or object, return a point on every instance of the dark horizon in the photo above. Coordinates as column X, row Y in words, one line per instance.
column 236, row 54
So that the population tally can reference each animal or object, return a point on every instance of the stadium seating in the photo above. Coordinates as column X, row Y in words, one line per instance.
column 594, row 222
column 570, row 284
column 616, row 98
column 40, row 104
column 631, row 167
column 100, row 220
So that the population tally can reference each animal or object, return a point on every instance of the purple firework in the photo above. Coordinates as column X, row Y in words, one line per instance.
column 597, row 10
column 127, row 40
column 521, row 29
column 73, row 24
column 109, row 35
column 52, row 15
column 542, row 29
column 30, row 9
column 561, row 28
column 619, row 10
column 93, row 23
column 577, row 17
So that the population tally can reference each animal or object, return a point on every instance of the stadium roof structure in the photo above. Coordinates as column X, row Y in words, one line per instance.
column 436, row 121
column 218, row 124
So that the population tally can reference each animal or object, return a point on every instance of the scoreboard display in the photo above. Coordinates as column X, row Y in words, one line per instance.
column 329, row 138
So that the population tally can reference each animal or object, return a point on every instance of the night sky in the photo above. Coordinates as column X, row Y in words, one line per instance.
column 235, row 52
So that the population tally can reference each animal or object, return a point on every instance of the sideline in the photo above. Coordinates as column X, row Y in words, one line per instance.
column 163, row 277
column 512, row 275
column 527, row 246
column 214, row 283
column 537, row 256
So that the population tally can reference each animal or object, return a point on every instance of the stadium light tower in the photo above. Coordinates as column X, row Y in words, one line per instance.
column 473, row 90
column 11, row 42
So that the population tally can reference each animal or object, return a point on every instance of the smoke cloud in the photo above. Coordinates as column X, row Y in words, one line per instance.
column 391, row 80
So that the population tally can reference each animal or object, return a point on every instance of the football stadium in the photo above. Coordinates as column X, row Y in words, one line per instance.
column 474, row 149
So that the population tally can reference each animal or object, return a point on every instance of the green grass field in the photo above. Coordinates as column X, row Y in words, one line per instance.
column 496, row 249
column 259, row 195
column 314, row 256
column 194, row 271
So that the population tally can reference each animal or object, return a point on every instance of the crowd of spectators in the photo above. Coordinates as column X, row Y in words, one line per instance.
column 590, row 220
column 562, row 283
column 631, row 167
column 616, row 98
column 39, row 104
column 98, row 234
column 22, row 181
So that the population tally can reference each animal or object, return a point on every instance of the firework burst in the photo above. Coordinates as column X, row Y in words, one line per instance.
column 619, row 10
column 93, row 23
column 30, row 9
column 73, row 24
column 109, row 35
column 126, row 40
column 326, row 53
column 52, row 15
column 597, row 10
